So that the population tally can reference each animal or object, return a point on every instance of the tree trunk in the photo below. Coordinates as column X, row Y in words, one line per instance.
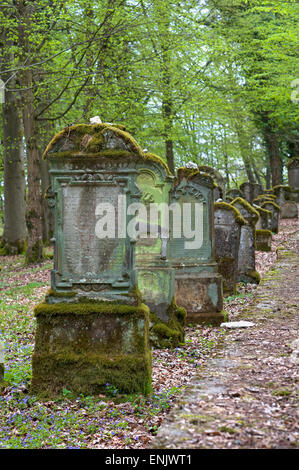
column 14, row 235
column 34, row 207
column 273, row 150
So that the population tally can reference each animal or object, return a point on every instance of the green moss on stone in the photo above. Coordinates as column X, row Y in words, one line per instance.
column 246, row 205
column 237, row 214
column 103, row 308
column 272, row 204
column 171, row 333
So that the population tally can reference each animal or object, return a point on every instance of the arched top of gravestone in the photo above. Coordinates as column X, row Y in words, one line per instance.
column 293, row 163
column 248, row 212
column 261, row 210
column 223, row 206
column 198, row 177
column 281, row 187
column 270, row 203
column 215, row 174
column 99, row 141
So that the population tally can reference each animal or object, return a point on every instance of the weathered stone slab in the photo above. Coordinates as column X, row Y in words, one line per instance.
column 275, row 210
column 219, row 190
column 93, row 327
column 263, row 240
column 81, row 347
column 246, row 259
column 233, row 193
column 198, row 286
column 264, row 222
column 228, row 222
column 155, row 275
column 293, row 173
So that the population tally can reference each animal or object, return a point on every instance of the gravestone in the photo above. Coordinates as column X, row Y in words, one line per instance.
column 264, row 222
column 92, row 327
column 263, row 239
column 288, row 209
column 233, row 193
column 257, row 190
column 246, row 259
column 275, row 210
column 246, row 189
column 155, row 275
column 219, row 189
column 228, row 223
column 264, row 198
column 198, row 286
column 293, row 172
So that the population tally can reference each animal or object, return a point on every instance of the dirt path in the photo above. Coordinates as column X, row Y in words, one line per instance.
column 246, row 396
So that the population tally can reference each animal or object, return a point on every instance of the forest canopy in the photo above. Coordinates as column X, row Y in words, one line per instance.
column 214, row 82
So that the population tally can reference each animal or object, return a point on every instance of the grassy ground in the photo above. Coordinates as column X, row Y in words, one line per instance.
column 80, row 422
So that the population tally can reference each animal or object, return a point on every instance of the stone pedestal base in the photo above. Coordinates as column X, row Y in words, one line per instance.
column 201, row 295
column 82, row 347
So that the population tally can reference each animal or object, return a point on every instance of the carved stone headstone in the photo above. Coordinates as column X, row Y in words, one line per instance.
column 293, row 172
column 264, row 222
column 228, row 223
column 219, row 189
column 155, row 275
column 246, row 260
column 275, row 210
column 246, row 189
column 92, row 327
column 263, row 239
column 233, row 193
column 198, row 286
column 288, row 209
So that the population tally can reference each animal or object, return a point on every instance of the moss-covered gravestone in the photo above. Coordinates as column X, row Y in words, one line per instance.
column 293, row 172
column 228, row 224
column 288, row 208
column 246, row 260
column 246, row 189
column 264, row 222
column 155, row 274
column 219, row 186
column 263, row 239
column 233, row 193
column 275, row 210
column 92, row 327
column 198, row 286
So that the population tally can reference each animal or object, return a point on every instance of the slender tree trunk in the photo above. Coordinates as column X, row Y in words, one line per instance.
column 34, row 206
column 14, row 235
column 268, row 177
column 273, row 150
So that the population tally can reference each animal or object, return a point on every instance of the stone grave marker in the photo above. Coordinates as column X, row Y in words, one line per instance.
column 198, row 285
column 275, row 210
column 228, row 224
column 288, row 209
column 293, row 173
column 263, row 240
column 155, row 275
column 246, row 259
column 92, row 328
column 219, row 189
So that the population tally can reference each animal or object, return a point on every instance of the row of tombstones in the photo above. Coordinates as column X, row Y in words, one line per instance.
column 113, row 297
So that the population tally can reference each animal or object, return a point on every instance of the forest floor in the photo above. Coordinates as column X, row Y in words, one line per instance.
column 247, row 396
column 101, row 422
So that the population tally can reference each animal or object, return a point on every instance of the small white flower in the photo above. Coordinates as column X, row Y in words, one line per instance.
column 95, row 120
column 191, row 165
